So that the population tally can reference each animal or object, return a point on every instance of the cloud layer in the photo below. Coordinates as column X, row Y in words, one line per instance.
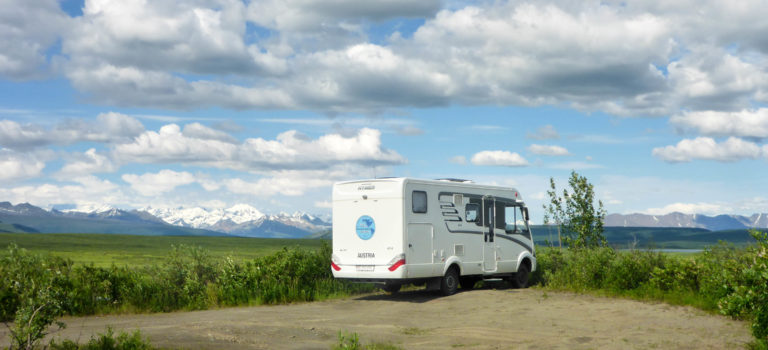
column 320, row 55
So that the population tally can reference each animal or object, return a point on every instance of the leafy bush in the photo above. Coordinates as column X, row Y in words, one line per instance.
column 750, row 298
column 107, row 341
column 574, row 269
column 188, row 279
column 34, row 293
column 631, row 270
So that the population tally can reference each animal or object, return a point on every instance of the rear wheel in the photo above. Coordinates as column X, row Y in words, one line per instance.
column 520, row 279
column 450, row 283
column 391, row 288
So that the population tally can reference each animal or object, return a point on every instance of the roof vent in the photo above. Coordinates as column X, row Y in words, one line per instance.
column 456, row 180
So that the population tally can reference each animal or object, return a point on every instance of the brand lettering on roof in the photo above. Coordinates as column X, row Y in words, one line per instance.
column 366, row 187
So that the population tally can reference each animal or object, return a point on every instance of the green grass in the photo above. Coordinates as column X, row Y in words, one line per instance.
column 103, row 250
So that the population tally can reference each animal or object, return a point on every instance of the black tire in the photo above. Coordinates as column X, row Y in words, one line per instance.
column 391, row 288
column 520, row 279
column 467, row 283
column 450, row 282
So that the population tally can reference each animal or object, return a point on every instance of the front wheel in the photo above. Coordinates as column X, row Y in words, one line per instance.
column 450, row 282
column 520, row 279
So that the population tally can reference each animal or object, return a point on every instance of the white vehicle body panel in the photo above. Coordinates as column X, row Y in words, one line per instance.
column 378, row 222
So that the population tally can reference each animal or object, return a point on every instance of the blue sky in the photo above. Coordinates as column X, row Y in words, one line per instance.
column 217, row 102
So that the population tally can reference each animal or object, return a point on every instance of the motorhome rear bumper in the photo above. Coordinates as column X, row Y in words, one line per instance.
column 388, row 280
column 380, row 272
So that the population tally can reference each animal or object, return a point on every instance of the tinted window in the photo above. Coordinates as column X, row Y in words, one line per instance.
column 419, row 201
column 471, row 212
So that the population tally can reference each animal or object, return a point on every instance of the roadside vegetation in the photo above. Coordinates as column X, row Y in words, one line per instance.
column 351, row 341
column 725, row 279
column 38, row 289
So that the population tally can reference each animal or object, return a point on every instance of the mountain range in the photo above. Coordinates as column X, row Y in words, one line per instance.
column 711, row 223
column 242, row 220
column 239, row 220
column 245, row 220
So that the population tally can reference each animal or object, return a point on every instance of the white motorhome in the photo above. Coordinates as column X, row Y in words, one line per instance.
column 395, row 231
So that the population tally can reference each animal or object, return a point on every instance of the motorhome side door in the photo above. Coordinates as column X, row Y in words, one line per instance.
column 489, row 244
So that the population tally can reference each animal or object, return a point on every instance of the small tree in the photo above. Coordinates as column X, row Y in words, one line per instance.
column 575, row 214
column 37, row 289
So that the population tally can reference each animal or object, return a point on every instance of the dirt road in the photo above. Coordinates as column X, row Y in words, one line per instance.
column 479, row 319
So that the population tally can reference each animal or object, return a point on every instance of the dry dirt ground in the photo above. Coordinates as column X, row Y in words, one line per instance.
column 479, row 319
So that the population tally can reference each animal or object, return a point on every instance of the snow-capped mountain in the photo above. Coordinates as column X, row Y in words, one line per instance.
column 713, row 223
column 25, row 217
column 199, row 217
column 90, row 208
column 241, row 219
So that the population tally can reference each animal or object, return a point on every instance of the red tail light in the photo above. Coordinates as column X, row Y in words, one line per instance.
column 334, row 266
column 397, row 264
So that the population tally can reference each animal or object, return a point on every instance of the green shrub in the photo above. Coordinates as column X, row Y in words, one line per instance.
column 675, row 274
column 107, row 341
column 187, row 279
column 34, row 293
column 576, row 269
column 630, row 270
column 750, row 298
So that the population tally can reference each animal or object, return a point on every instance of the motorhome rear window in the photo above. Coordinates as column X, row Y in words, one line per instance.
column 419, row 202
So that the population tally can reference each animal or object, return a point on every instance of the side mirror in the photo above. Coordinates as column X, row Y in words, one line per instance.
column 525, row 214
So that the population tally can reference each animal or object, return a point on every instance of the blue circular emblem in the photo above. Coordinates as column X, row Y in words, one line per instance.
column 365, row 227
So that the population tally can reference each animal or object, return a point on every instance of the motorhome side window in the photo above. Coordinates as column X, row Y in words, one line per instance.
column 419, row 202
column 514, row 220
column 473, row 209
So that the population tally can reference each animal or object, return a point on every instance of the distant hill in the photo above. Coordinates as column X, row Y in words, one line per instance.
column 327, row 234
column 712, row 223
column 655, row 237
column 15, row 228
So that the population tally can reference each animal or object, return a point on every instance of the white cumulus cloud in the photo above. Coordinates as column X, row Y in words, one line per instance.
column 290, row 149
column 88, row 163
column 706, row 148
column 744, row 123
column 499, row 158
column 16, row 166
column 153, row 184
column 690, row 208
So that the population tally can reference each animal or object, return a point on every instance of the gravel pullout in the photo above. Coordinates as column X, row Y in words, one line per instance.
column 478, row 319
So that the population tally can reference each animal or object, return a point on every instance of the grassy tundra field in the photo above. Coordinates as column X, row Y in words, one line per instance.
column 102, row 250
